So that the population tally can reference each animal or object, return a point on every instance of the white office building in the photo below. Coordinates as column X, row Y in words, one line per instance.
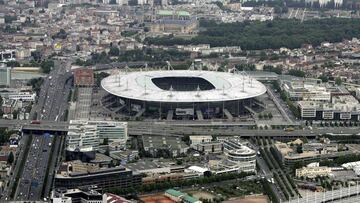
column 238, row 158
column 198, row 139
column 7, row 55
column 23, row 96
column 341, row 107
column 89, row 134
column 306, row 90
column 5, row 75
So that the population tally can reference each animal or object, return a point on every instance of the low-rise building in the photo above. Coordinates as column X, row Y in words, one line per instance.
column 79, row 195
column 164, row 146
column 117, row 177
column 84, row 77
column 198, row 139
column 309, row 152
column 312, row 172
column 176, row 22
column 178, row 196
column 210, row 147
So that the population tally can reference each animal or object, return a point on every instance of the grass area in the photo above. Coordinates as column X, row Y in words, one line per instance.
column 238, row 189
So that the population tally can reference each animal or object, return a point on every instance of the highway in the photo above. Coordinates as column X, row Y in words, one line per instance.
column 32, row 179
column 50, row 107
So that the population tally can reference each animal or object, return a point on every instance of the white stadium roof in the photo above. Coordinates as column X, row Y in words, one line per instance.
column 139, row 86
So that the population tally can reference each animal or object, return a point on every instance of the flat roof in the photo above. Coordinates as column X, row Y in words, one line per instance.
column 139, row 86
column 170, row 13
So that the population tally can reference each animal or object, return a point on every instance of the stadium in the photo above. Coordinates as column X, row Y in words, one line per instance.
column 179, row 94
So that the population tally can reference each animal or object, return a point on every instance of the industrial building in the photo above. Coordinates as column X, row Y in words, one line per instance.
column 164, row 146
column 341, row 107
column 116, row 177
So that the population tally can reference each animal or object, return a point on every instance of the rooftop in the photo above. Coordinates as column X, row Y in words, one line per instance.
column 170, row 12
column 140, row 86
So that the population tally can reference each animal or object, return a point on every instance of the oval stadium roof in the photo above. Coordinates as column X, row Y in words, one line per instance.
column 140, row 86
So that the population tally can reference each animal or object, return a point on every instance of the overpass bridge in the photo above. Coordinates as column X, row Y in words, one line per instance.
column 220, row 128
column 26, row 125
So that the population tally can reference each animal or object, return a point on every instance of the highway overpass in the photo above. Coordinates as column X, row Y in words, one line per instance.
column 187, row 128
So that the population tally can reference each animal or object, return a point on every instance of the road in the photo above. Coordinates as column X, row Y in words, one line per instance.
column 51, row 104
column 33, row 176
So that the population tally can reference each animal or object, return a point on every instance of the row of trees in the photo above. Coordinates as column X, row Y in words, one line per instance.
column 265, row 115
column 45, row 65
column 340, row 160
column 150, row 55
column 36, row 84
column 278, row 33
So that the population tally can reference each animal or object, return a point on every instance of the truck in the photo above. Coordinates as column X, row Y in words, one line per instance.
column 289, row 129
column 35, row 122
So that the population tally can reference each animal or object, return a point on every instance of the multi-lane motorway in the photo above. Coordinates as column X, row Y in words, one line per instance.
column 33, row 176
column 50, row 107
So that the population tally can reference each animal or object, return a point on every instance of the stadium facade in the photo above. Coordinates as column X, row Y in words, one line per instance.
column 182, row 93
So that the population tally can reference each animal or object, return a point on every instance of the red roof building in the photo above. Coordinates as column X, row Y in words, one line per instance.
column 83, row 77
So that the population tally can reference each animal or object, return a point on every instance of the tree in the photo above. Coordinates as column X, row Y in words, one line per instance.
column 338, row 81
column 114, row 51
column 106, row 141
column 15, row 114
column 10, row 158
column 60, row 35
column 107, row 152
column 299, row 149
column 297, row 73
column 9, row 19
column 263, row 56
column 46, row 66
column 323, row 78
column 277, row 10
